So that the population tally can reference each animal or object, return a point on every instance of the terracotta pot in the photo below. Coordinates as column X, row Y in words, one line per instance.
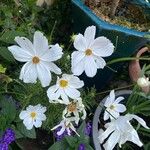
column 135, row 67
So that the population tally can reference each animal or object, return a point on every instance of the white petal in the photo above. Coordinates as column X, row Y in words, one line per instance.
column 78, row 68
column 118, row 100
column 102, row 47
column 76, row 57
column 28, row 73
column 120, row 108
column 28, row 123
column 54, row 68
column 40, row 43
column 23, row 115
column 64, row 96
column 20, row 54
column 44, row 75
column 72, row 93
column 53, row 93
column 89, row 34
column 38, row 123
column 53, row 54
column 106, row 133
column 25, row 44
column 80, row 43
column 135, row 138
column 112, row 141
column 41, row 116
column 110, row 99
column 106, row 115
column 100, row 62
column 75, row 82
column 114, row 114
column 140, row 120
column 90, row 66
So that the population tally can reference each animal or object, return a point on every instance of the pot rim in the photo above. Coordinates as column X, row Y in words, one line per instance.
column 95, row 131
column 106, row 25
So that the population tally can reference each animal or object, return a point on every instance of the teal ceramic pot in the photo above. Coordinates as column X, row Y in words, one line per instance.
column 128, row 40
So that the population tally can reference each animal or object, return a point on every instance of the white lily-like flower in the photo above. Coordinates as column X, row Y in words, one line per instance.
column 66, row 124
column 75, row 107
column 65, row 87
column 33, row 116
column 90, row 51
column 113, row 106
column 121, row 131
column 39, row 58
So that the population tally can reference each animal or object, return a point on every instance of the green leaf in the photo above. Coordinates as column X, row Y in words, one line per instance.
column 88, row 147
column 147, row 146
column 6, row 54
column 71, row 141
column 60, row 145
column 27, row 133
column 9, row 36
column 8, row 108
column 2, row 69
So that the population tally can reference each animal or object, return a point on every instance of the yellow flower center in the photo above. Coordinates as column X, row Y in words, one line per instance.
column 88, row 52
column 112, row 107
column 35, row 60
column 33, row 114
column 72, row 107
column 63, row 83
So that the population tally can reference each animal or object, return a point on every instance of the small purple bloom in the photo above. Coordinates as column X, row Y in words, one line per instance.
column 81, row 147
column 7, row 138
column 3, row 146
column 59, row 137
column 88, row 128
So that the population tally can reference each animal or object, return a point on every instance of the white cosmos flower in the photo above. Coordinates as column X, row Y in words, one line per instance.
column 120, row 131
column 75, row 107
column 65, row 87
column 33, row 116
column 113, row 106
column 39, row 58
column 90, row 51
column 66, row 125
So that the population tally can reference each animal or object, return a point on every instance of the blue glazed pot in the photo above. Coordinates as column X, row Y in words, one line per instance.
column 128, row 40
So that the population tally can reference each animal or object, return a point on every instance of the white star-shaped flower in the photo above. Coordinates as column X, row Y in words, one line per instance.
column 65, row 87
column 66, row 124
column 113, row 106
column 90, row 51
column 39, row 58
column 33, row 116
column 120, row 131
column 77, row 108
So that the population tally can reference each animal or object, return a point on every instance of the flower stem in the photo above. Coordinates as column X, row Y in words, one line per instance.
column 120, row 88
column 126, row 59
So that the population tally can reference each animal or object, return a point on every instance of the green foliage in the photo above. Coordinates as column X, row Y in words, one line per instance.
column 7, row 111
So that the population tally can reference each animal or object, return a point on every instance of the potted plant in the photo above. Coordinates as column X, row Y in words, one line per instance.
column 126, row 40
column 116, row 112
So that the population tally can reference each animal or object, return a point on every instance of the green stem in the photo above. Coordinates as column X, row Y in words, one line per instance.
column 54, row 26
column 126, row 59
column 120, row 88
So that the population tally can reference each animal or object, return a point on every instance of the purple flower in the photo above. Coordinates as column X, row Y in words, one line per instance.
column 7, row 138
column 88, row 128
column 81, row 147
column 3, row 146
column 59, row 137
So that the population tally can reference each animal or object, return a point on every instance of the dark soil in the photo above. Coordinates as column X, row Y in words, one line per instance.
column 127, row 15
